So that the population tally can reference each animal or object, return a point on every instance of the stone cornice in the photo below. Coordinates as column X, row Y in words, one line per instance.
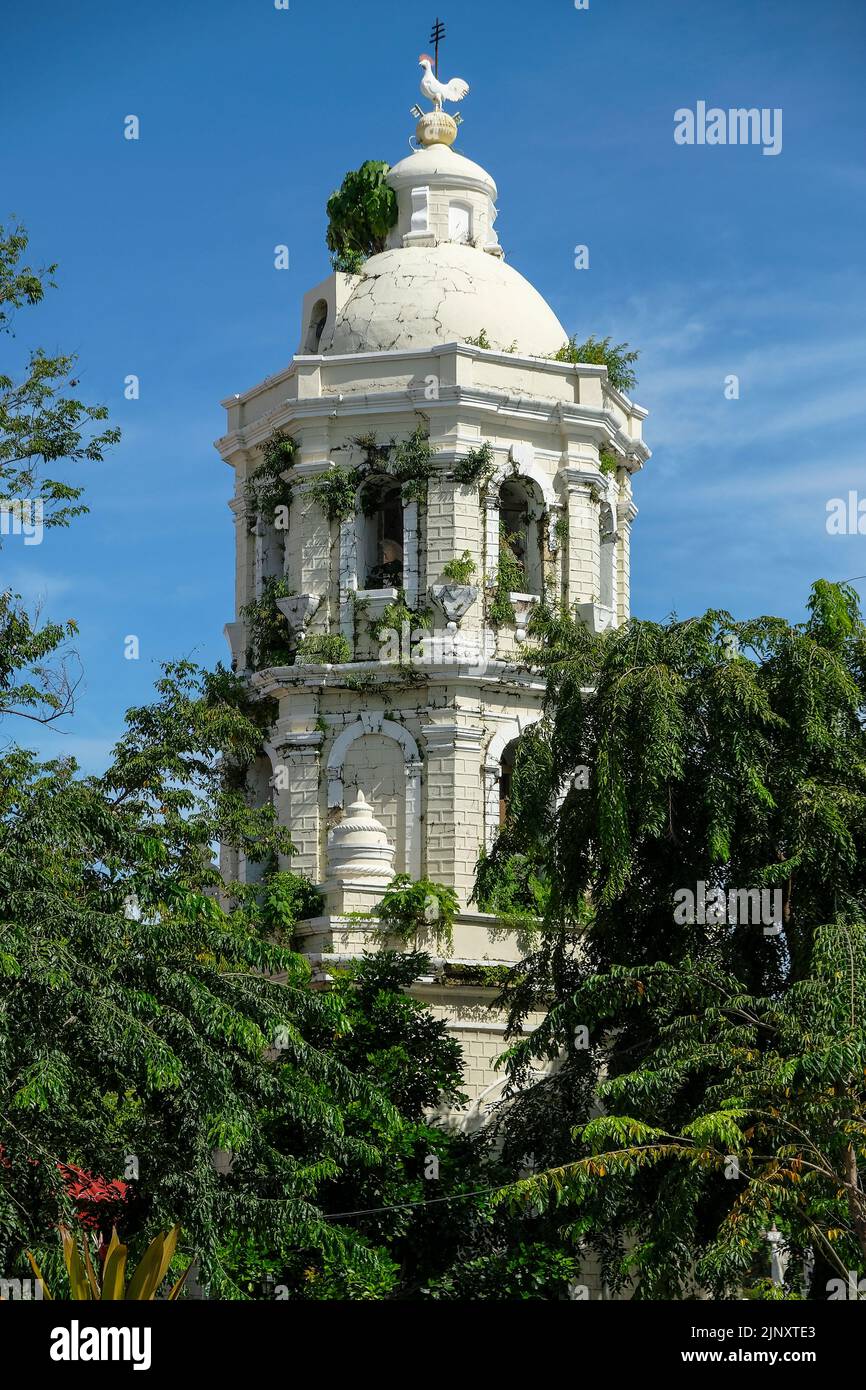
column 409, row 354
column 502, row 674
column 598, row 422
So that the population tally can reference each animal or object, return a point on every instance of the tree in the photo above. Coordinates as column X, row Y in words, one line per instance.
column 360, row 215
column 41, row 427
column 723, row 754
column 145, row 1024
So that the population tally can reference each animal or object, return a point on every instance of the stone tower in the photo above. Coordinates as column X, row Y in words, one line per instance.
column 399, row 680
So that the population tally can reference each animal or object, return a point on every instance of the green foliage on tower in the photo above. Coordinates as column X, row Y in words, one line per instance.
column 360, row 215
column 618, row 359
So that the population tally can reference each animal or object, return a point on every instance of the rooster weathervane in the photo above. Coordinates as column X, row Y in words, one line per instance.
column 431, row 87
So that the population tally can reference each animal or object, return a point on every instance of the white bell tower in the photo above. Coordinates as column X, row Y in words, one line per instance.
column 399, row 677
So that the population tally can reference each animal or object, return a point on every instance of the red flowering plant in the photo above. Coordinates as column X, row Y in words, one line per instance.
column 100, row 1203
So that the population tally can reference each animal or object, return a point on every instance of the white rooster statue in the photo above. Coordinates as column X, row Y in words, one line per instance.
column 437, row 91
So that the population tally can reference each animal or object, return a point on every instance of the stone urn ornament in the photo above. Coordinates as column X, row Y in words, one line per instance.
column 297, row 610
column 455, row 600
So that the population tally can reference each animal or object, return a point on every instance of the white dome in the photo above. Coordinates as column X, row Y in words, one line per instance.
column 418, row 296
column 440, row 166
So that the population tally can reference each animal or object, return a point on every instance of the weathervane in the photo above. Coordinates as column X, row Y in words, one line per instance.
column 436, row 34
column 437, row 127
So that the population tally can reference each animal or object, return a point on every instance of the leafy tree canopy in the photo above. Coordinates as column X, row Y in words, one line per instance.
column 360, row 215
column 729, row 754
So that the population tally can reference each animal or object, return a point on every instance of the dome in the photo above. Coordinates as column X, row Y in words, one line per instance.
column 418, row 296
column 439, row 165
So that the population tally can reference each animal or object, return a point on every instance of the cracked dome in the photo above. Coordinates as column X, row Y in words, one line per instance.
column 418, row 296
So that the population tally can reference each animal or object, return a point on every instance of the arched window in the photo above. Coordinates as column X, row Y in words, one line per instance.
column 316, row 326
column 521, row 512
column 380, row 551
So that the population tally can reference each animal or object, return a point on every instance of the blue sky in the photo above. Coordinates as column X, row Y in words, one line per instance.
column 712, row 260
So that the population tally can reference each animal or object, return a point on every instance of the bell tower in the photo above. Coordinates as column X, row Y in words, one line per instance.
column 443, row 473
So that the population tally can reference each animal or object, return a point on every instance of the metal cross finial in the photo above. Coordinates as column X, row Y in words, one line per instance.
column 437, row 33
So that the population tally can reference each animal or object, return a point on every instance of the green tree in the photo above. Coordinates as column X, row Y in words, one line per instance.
column 723, row 753
column 360, row 215
column 42, row 428
column 141, row 1016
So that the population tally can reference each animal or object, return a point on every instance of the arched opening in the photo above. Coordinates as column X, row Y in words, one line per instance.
column 316, row 326
column 521, row 512
column 506, row 775
column 381, row 540
column 607, row 556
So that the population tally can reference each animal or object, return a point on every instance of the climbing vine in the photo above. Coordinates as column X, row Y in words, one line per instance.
column 477, row 467
column 510, row 579
column 334, row 491
column 266, row 489
column 396, row 614
column 459, row 570
column 268, row 633
column 608, row 461
column 410, row 462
